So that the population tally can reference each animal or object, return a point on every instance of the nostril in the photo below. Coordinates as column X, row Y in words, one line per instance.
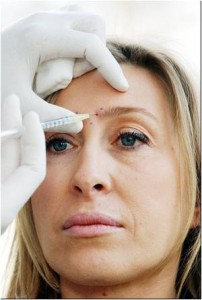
column 98, row 187
column 77, row 189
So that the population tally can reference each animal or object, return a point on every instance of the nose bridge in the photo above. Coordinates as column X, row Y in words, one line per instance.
column 90, row 174
column 89, row 160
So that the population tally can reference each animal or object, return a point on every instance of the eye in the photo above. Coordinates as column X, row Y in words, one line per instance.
column 130, row 140
column 56, row 145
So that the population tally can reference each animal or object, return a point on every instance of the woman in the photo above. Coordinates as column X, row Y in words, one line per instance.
column 117, row 215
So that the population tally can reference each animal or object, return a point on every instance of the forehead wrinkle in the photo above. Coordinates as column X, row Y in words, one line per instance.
column 116, row 111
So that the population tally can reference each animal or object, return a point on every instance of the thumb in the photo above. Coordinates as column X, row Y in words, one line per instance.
column 21, row 184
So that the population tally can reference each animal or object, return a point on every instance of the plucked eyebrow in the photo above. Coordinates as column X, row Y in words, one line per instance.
column 119, row 110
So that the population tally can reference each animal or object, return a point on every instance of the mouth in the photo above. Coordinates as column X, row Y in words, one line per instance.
column 90, row 225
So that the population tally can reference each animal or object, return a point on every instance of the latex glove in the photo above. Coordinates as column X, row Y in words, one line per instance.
column 57, row 73
column 47, row 36
column 20, row 175
column 26, row 44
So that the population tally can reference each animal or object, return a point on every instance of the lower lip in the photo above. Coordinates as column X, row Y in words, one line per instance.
column 91, row 230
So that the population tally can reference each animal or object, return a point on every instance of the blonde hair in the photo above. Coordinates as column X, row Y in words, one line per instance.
column 33, row 277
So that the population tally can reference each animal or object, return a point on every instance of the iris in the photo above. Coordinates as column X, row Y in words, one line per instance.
column 129, row 139
column 58, row 145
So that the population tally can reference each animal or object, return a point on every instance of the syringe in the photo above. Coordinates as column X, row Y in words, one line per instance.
column 17, row 132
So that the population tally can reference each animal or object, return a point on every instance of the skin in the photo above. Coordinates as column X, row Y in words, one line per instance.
column 139, row 188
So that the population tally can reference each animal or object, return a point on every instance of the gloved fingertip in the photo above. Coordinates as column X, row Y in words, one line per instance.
column 70, row 128
column 119, row 82
column 30, row 116
column 76, row 127
column 123, row 85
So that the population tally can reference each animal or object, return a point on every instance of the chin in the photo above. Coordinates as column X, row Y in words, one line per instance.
column 94, row 278
column 89, row 270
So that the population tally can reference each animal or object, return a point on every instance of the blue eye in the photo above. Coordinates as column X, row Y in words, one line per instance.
column 132, row 139
column 58, row 145
column 128, row 140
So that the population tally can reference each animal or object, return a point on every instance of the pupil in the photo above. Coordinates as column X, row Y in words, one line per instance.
column 59, row 146
column 128, row 140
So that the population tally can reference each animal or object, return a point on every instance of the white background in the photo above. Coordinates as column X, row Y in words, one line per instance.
column 174, row 25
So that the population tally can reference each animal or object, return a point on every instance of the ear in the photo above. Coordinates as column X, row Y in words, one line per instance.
column 196, row 218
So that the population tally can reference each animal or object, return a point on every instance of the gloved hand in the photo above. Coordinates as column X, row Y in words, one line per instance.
column 47, row 36
column 31, row 42
column 20, row 175
column 56, row 74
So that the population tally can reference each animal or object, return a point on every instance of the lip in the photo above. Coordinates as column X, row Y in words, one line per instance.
column 90, row 224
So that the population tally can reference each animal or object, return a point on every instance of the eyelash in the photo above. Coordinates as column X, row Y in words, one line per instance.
column 136, row 136
column 53, row 140
column 130, row 135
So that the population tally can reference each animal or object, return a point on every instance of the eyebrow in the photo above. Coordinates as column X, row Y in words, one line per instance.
column 119, row 110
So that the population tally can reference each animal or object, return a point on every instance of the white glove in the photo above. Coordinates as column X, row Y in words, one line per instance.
column 48, row 36
column 20, row 175
column 56, row 74
column 26, row 44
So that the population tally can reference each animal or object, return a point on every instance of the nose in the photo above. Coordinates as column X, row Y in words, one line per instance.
column 91, row 175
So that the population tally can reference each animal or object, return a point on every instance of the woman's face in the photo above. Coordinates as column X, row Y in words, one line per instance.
column 108, row 209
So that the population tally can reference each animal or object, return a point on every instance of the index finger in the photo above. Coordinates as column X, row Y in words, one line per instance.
column 100, row 57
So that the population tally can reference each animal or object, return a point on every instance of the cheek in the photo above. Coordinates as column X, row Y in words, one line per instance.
column 151, row 191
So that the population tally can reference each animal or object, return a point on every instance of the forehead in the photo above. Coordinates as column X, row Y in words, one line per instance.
column 91, row 92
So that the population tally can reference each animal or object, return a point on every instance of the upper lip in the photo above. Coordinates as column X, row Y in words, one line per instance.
column 93, row 218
